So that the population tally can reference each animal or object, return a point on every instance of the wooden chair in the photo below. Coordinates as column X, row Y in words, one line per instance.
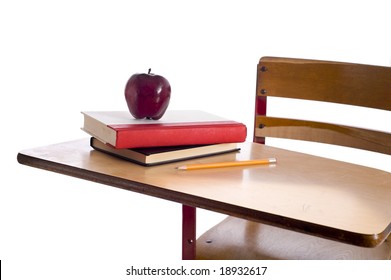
column 341, row 83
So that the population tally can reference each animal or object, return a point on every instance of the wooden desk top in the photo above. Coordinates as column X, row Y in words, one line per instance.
column 318, row 196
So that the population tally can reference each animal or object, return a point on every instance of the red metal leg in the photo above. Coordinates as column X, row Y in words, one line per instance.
column 188, row 232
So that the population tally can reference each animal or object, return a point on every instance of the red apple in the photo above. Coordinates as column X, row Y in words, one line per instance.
column 147, row 95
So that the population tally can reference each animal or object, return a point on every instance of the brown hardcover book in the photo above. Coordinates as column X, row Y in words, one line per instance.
column 159, row 155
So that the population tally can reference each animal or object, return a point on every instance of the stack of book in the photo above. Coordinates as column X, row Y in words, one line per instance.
column 178, row 135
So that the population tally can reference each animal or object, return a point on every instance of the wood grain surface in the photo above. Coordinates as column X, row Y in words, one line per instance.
column 333, row 199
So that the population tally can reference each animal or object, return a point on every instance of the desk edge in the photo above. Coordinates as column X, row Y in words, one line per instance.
column 367, row 240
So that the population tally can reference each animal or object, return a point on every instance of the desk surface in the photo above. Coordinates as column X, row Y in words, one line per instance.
column 305, row 193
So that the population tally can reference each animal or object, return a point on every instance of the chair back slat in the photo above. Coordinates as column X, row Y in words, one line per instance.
column 345, row 83
column 375, row 141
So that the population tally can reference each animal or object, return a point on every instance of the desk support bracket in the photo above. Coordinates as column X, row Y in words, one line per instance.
column 188, row 232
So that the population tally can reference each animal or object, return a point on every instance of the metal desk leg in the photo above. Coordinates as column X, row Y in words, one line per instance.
column 188, row 232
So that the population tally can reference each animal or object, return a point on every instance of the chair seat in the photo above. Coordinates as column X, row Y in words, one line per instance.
column 237, row 239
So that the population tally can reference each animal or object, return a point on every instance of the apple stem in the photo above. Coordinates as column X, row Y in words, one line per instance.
column 149, row 71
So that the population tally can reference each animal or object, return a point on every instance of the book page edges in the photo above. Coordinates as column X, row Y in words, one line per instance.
column 103, row 132
column 204, row 151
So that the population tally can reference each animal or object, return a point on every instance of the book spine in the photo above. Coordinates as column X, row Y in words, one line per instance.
column 154, row 136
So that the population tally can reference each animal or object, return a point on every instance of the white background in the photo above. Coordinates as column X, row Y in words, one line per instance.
column 58, row 58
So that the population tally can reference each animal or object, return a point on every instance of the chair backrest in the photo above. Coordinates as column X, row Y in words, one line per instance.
column 335, row 82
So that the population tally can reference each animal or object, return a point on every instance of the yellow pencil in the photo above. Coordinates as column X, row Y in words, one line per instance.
column 227, row 164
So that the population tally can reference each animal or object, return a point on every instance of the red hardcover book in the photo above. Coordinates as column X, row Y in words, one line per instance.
column 120, row 130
